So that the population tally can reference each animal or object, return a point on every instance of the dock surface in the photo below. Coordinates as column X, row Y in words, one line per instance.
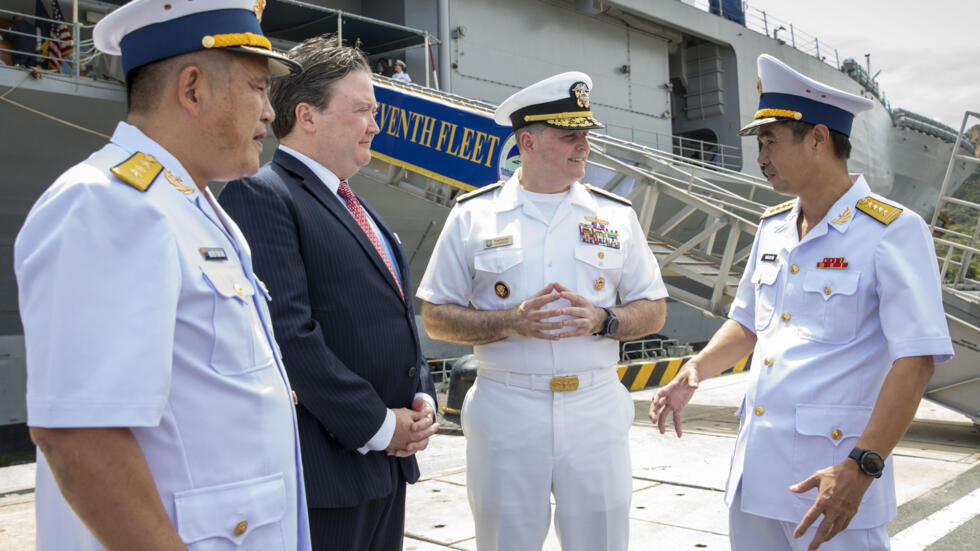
column 678, row 484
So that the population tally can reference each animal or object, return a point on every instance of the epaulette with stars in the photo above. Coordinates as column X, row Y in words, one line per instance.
column 478, row 191
column 783, row 207
column 139, row 170
column 882, row 212
column 608, row 195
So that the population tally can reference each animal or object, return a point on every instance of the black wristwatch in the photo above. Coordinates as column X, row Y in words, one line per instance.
column 610, row 327
column 870, row 462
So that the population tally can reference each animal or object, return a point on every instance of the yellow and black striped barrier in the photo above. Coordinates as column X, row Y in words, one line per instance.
column 641, row 375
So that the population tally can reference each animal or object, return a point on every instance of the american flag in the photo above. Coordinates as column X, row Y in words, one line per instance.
column 60, row 44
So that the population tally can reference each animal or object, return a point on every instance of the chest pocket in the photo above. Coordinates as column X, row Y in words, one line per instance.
column 499, row 279
column 239, row 344
column 766, row 293
column 597, row 272
column 830, row 302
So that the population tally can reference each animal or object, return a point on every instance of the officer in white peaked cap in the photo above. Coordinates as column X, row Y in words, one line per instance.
column 543, row 258
column 841, row 308
column 156, row 393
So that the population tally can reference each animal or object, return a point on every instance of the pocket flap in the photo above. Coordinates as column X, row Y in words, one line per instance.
column 229, row 281
column 765, row 274
column 230, row 511
column 832, row 421
column 601, row 257
column 498, row 261
column 829, row 283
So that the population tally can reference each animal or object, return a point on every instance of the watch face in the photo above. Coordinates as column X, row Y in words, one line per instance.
column 872, row 463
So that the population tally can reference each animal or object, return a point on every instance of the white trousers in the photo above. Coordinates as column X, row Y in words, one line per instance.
column 748, row 532
column 524, row 445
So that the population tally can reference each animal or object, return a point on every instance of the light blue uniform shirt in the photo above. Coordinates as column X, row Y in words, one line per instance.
column 832, row 312
column 140, row 310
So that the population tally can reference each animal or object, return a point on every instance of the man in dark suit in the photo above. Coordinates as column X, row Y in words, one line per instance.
column 341, row 304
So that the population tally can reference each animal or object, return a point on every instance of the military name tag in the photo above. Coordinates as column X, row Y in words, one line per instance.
column 834, row 262
column 213, row 253
column 498, row 242
column 769, row 257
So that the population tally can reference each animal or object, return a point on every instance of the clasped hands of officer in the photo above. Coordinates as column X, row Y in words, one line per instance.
column 531, row 318
column 413, row 428
column 840, row 487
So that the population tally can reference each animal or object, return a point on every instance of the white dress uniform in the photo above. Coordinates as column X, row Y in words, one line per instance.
column 140, row 310
column 832, row 312
column 524, row 441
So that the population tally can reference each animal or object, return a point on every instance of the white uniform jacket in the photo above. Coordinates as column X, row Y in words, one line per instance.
column 497, row 250
column 140, row 310
column 832, row 313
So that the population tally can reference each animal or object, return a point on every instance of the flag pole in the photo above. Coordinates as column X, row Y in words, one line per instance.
column 76, row 39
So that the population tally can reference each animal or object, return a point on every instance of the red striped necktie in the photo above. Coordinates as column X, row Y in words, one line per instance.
column 355, row 208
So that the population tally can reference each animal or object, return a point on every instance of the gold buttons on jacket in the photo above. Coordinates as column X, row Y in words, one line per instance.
column 759, row 410
column 837, row 434
column 239, row 289
column 602, row 254
column 794, row 269
column 826, row 290
column 786, row 316
column 241, row 527
column 768, row 362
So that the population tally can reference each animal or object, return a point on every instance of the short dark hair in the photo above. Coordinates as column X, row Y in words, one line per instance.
column 145, row 84
column 325, row 60
column 842, row 144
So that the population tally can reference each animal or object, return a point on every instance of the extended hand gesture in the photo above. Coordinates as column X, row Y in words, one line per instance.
column 840, row 490
column 673, row 397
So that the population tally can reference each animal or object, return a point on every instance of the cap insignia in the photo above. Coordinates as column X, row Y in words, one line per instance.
column 581, row 92
column 138, row 171
column 258, row 8
column 758, row 85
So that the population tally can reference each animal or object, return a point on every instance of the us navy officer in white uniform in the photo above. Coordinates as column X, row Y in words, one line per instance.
column 155, row 389
column 840, row 306
column 542, row 259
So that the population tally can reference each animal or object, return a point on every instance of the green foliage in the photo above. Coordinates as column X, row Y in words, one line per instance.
column 962, row 219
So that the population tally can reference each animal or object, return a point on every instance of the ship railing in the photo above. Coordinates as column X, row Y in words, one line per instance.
column 700, row 220
column 691, row 149
column 80, row 61
column 956, row 222
column 773, row 27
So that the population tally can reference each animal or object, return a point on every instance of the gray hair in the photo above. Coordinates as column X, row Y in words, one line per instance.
column 535, row 129
column 325, row 60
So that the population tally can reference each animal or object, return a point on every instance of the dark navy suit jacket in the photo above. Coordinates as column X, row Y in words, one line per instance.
column 348, row 340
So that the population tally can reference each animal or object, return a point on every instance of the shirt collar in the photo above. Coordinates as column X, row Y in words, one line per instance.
column 132, row 140
column 511, row 195
column 323, row 173
column 842, row 213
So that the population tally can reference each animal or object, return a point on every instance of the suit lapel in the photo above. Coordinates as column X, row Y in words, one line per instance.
column 334, row 206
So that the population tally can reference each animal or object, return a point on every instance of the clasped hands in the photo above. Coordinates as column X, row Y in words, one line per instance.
column 413, row 427
column 533, row 320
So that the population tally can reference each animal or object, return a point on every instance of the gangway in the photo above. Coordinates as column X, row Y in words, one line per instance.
column 700, row 218
column 957, row 383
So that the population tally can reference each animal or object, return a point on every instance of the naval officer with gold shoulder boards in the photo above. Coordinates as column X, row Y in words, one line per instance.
column 543, row 259
column 840, row 305
column 155, row 390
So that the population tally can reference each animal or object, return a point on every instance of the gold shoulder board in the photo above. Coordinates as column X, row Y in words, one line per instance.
column 782, row 207
column 882, row 212
column 139, row 171
column 608, row 194
column 478, row 191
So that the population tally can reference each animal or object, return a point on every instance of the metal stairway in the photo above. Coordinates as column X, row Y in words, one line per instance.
column 956, row 384
column 700, row 218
